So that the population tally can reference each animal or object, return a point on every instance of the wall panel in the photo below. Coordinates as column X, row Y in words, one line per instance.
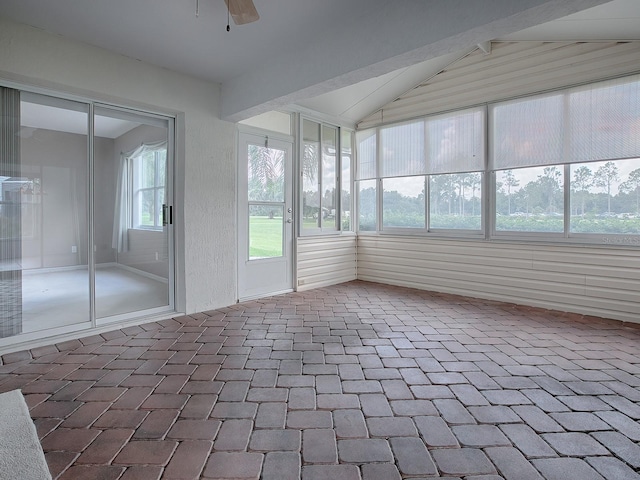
column 325, row 260
column 587, row 280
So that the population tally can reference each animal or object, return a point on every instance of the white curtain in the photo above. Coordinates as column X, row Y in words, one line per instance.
column 124, row 195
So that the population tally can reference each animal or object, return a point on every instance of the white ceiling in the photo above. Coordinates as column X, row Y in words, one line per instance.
column 285, row 45
column 617, row 20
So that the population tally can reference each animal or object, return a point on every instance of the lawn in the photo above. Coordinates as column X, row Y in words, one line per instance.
column 265, row 237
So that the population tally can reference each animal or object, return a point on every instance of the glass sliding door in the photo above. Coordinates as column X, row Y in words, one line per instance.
column 85, row 215
column 45, row 198
column 132, row 213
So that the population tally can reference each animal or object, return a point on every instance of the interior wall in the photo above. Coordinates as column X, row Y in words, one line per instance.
column 104, row 197
column 205, row 175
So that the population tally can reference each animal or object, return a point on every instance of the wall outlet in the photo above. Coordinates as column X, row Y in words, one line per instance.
column 156, row 256
column 74, row 249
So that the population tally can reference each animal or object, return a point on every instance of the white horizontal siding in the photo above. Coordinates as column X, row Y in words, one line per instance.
column 323, row 261
column 512, row 69
column 593, row 281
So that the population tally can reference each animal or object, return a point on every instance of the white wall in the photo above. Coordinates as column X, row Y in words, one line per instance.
column 583, row 279
column 325, row 260
column 205, row 171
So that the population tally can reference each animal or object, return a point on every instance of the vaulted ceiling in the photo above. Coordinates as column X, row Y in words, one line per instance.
column 344, row 59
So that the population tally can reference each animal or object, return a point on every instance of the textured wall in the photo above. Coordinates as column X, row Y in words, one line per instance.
column 205, row 163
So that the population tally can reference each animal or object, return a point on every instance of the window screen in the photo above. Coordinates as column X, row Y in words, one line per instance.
column 402, row 150
column 456, row 142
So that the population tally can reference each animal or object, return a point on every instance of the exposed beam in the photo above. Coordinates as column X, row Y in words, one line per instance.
column 390, row 35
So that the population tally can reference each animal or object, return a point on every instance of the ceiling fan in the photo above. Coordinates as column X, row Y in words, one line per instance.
column 242, row 11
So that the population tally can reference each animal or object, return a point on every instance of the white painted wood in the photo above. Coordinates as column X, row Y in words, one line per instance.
column 325, row 260
column 587, row 280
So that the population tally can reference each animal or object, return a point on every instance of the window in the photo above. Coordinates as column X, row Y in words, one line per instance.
column 325, row 178
column 530, row 200
column 432, row 165
column 567, row 163
column 563, row 166
column 455, row 201
column 149, row 166
column 346, row 148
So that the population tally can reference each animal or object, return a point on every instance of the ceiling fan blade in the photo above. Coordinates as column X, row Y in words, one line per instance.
column 242, row 11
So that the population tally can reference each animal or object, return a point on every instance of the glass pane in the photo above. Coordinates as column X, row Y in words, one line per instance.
column 345, row 199
column 455, row 201
column 403, row 202
column 367, row 154
column 605, row 197
column 310, row 175
column 147, row 169
column 265, row 174
column 456, row 142
column 329, row 177
column 147, row 208
column 528, row 132
column 47, row 196
column 266, row 227
column 161, row 166
column 132, row 248
column 402, row 149
column 367, row 206
column 604, row 120
column 530, row 200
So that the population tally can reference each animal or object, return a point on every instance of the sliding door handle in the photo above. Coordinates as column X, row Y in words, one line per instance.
column 167, row 214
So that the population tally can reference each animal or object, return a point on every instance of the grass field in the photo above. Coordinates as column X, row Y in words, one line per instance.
column 265, row 236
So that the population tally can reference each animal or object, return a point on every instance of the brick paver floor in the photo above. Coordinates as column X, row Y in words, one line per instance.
column 354, row 381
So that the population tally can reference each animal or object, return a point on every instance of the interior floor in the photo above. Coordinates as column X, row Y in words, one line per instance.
column 61, row 297
column 355, row 381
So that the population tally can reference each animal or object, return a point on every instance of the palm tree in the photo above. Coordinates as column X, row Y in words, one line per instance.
column 266, row 173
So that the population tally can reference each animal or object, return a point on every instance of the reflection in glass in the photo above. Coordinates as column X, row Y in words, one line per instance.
column 131, row 243
column 266, row 227
column 265, row 174
column 51, row 191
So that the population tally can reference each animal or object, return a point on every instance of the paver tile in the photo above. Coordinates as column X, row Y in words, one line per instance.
column 364, row 450
column 319, row 446
column 355, row 381
column 412, row 456
column 512, row 464
column 240, row 465
column 610, row 467
column 557, row 468
column 574, row 444
column 462, row 461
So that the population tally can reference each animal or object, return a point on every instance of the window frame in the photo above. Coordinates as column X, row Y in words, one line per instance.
column 339, row 198
column 488, row 205
column 136, row 165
